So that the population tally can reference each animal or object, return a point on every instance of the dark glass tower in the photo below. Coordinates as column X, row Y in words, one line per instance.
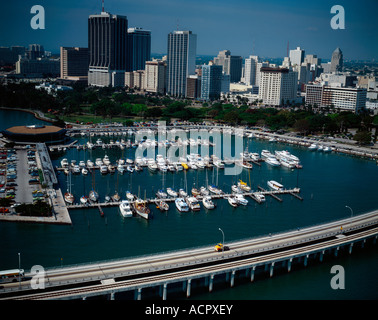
column 107, row 44
column 138, row 49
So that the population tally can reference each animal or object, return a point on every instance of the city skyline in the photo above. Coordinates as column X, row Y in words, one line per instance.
column 245, row 27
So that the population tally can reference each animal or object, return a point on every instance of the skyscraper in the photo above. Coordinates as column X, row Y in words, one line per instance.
column 181, row 60
column 337, row 60
column 250, row 67
column 211, row 82
column 107, row 37
column 73, row 62
column 138, row 48
column 232, row 65
column 297, row 56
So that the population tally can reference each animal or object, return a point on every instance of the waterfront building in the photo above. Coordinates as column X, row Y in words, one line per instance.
column 277, row 85
column 35, row 133
column 297, row 56
column 250, row 67
column 74, row 62
column 344, row 99
column 155, row 76
column 138, row 48
column 232, row 65
column 337, row 60
column 211, row 82
column 107, row 43
column 181, row 61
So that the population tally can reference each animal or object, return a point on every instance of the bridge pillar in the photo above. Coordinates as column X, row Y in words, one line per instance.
column 232, row 278
column 375, row 240
column 84, row 298
column 188, row 287
column 289, row 264
column 305, row 260
column 321, row 256
column 165, row 291
column 271, row 269
column 211, row 283
column 138, row 294
column 336, row 251
column 253, row 273
column 112, row 296
column 350, row 248
column 363, row 243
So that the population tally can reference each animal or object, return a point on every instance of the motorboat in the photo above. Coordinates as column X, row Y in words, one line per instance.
column 162, row 205
column 125, row 209
column 172, row 192
column 287, row 163
column 84, row 171
column 208, row 203
column 272, row 161
column 214, row 189
column 152, row 166
column 236, row 189
column 161, row 194
column 116, row 197
column 130, row 169
column 111, row 168
column 193, row 203
column 104, row 169
column 121, row 168
column 219, row 164
column 181, row 205
column 129, row 196
column 90, row 164
column 232, row 201
column 313, row 147
column 274, row 185
column 241, row 200
column 195, row 192
column 76, row 169
column 204, row 191
column 107, row 199
column 266, row 154
column 98, row 162
column 259, row 197
column 142, row 209
column 106, row 160
column 183, row 193
column 64, row 163
column 327, row 149
column 243, row 186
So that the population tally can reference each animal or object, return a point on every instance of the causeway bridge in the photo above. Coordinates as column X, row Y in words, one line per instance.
column 179, row 270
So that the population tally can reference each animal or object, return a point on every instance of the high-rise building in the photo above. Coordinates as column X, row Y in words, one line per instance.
column 250, row 67
column 258, row 73
column 277, row 85
column 211, row 82
column 155, row 76
column 345, row 99
column 181, row 60
column 193, row 86
column 107, row 43
column 337, row 61
column 73, row 62
column 138, row 48
column 297, row 56
column 35, row 51
column 232, row 65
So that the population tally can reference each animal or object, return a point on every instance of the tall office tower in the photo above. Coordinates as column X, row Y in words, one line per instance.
column 211, row 82
column 250, row 67
column 107, row 37
column 138, row 48
column 181, row 60
column 337, row 60
column 277, row 85
column 193, row 86
column 73, row 62
column 297, row 56
column 232, row 65
column 155, row 76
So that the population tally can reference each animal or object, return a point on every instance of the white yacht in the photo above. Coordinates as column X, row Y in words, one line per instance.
column 99, row 162
column 90, row 164
column 76, row 169
column 172, row 192
column 243, row 186
column 208, row 203
column 272, row 161
column 193, row 203
column 64, row 163
column 214, row 189
column 260, row 197
column 181, row 205
column 104, row 169
column 313, row 146
column 275, row 185
column 161, row 194
column 125, row 209
column 83, row 199
column 106, row 160
column 152, row 166
column 130, row 196
column 240, row 199
column 182, row 193
column 204, row 191
column 84, row 171
column 232, row 201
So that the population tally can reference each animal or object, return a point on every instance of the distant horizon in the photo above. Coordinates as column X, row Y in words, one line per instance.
column 264, row 28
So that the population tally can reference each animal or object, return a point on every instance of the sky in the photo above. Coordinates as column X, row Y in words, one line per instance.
column 245, row 27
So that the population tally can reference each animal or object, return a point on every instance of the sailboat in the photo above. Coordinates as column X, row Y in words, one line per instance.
column 93, row 195
column 68, row 196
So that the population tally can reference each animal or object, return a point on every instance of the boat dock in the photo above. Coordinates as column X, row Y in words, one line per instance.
column 294, row 192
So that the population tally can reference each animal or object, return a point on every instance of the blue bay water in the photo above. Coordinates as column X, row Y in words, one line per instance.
column 328, row 183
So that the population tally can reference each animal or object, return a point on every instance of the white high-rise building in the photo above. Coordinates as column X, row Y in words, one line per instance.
column 297, row 56
column 277, row 85
column 181, row 60
column 259, row 66
column 155, row 76
column 250, row 67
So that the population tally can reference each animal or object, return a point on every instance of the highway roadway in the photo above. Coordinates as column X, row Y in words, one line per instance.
column 158, row 269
